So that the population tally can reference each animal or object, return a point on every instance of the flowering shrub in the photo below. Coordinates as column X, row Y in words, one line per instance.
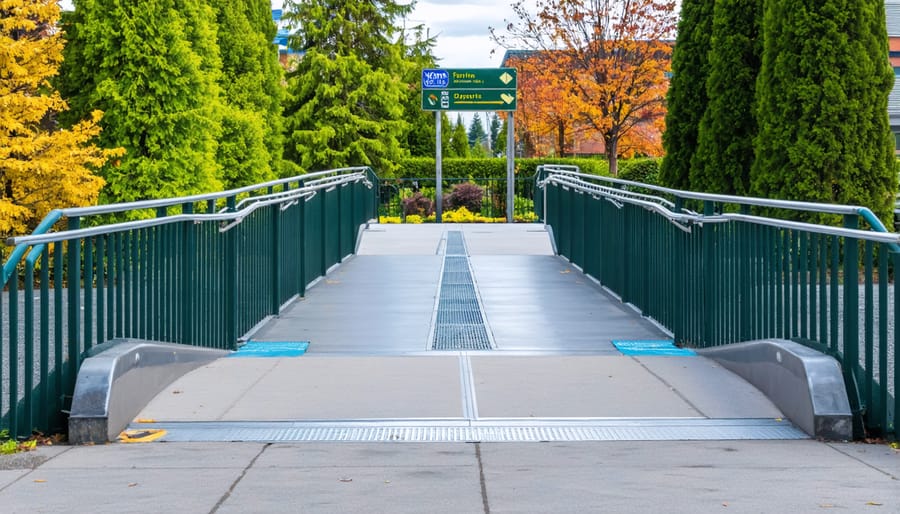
column 466, row 195
column 418, row 204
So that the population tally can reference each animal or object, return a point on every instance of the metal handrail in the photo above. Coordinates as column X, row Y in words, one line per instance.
column 573, row 180
column 253, row 204
column 741, row 200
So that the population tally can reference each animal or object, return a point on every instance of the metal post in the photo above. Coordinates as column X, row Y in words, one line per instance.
column 438, row 207
column 510, row 167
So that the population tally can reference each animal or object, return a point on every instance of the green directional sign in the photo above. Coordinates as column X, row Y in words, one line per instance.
column 469, row 100
column 472, row 89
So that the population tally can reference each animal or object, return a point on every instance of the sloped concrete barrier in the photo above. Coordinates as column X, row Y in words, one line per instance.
column 116, row 383
column 805, row 384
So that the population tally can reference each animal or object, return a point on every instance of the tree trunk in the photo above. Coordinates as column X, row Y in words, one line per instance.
column 560, row 138
column 612, row 150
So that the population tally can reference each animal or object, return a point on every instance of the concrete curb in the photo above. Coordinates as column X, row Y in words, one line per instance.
column 805, row 384
column 114, row 385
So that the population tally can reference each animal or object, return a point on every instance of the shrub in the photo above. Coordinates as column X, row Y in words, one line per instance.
column 466, row 195
column 645, row 171
column 418, row 204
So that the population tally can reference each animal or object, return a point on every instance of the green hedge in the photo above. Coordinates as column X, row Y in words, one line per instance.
column 423, row 167
column 645, row 170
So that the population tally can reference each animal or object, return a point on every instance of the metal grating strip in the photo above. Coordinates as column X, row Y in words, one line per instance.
column 459, row 320
column 490, row 430
column 455, row 244
column 461, row 337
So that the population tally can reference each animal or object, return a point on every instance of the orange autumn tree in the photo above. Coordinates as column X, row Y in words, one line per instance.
column 546, row 117
column 613, row 55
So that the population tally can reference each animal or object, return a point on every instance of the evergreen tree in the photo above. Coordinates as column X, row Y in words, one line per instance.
column 686, row 98
column 420, row 136
column 822, row 105
column 41, row 166
column 459, row 140
column 251, row 143
column 152, row 68
column 725, row 143
column 500, row 149
column 477, row 135
column 493, row 133
column 346, row 105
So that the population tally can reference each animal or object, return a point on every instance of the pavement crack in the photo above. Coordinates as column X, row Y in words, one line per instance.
column 484, row 497
column 234, row 484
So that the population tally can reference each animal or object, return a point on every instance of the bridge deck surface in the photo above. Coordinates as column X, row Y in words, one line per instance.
column 369, row 321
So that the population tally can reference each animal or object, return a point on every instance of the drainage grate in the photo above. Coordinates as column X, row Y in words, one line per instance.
column 459, row 321
column 487, row 430
column 455, row 244
column 461, row 337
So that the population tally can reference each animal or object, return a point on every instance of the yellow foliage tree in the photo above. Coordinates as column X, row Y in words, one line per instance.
column 41, row 167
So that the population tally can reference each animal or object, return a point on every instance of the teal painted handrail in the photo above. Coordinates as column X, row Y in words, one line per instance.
column 9, row 267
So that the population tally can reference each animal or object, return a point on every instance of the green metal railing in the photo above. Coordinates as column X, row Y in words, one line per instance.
column 201, row 270
column 493, row 204
column 724, row 275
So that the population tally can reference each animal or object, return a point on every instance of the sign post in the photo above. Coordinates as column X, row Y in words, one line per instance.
column 472, row 89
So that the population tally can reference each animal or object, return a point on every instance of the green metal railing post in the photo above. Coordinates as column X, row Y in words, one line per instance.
column 275, row 255
column 73, row 276
column 851, row 327
column 301, row 228
column 231, row 282
column 709, row 274
column 188, row 264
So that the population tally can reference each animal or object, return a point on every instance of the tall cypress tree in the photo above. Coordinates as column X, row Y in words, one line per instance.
column 346, row 106
column 250, row 146
column 150, row 67
column 686, row 98
column 459, row 139
column 725, row 140
column 822, row 104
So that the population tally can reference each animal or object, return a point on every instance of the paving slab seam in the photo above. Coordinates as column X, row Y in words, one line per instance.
column 32, row 470
column 246, row 391
column 671, row 387
column 467, row 385
column 481, row 480
column 237, row 481
column 864, row 463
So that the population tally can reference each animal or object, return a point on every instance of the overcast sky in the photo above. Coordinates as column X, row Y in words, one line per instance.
column 462, row 29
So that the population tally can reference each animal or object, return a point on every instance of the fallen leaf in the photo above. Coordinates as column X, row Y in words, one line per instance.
column 345, row 479
column 874, row 504
column 826, row 506
column 39, row 480
column 177, row 392
column 133, row 484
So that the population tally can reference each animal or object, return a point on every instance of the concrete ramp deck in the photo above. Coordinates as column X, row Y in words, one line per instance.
column 552, row 372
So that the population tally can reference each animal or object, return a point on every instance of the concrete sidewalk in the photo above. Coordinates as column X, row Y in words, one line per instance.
column 675, row 477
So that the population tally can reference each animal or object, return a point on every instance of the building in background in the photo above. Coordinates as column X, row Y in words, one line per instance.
column 286, row 56
column 892, row 10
